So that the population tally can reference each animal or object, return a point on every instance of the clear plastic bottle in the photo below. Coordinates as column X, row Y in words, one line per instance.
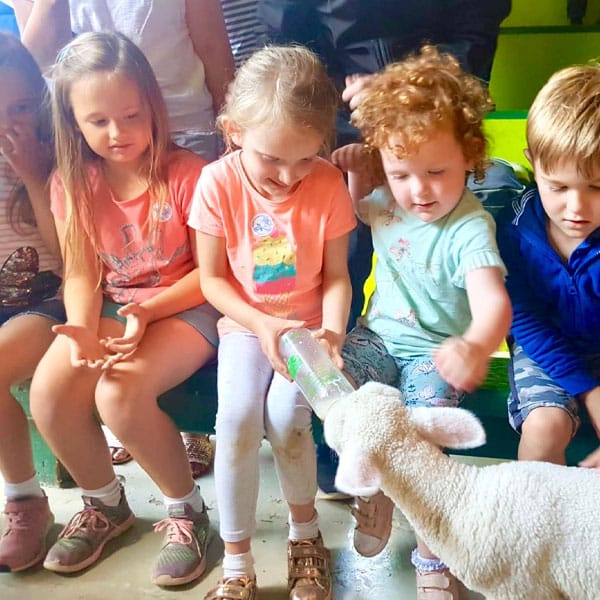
column 309, row 365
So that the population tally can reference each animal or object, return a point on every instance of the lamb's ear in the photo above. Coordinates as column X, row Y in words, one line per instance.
column 356, row 474
column 448, row 427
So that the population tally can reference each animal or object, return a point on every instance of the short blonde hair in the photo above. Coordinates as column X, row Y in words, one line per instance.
column 281, row 84
column 415, row 97
column 564, row 120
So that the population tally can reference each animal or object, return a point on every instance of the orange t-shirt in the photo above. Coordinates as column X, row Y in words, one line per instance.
column 136, row 267
column 274, row 248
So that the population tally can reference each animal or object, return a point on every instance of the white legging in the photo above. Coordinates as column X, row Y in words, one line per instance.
column 256, row 402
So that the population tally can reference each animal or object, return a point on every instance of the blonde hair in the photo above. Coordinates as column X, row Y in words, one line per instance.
column 564, row 120
column 415, row 97
column 102, row 53
column 14, row 56
column 281, row 85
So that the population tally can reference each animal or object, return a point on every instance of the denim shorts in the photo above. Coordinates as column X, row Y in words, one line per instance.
column 531, row 387
column 51, row 309
column 203, row 318
column 366, row 359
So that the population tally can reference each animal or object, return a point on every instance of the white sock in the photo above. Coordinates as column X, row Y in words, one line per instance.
column 194, row 499
column 238, row 565
column 304, row 531
column 25, row 489
column 110, row 494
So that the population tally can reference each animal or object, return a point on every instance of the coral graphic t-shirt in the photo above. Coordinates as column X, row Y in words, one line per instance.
column 274, row 248
column 137, row 266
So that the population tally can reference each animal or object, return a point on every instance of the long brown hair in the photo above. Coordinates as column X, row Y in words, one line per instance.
column 102, row 53
column 14, row 56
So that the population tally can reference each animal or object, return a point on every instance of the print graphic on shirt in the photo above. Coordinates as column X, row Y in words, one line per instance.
column 21, row 282
column 388, row 217
column 401, row 250
column 139, row 265
column 274, row 259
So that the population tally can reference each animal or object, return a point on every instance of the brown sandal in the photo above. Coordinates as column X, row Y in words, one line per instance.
column 119, row 455
column 233, row 588
column 200, row 453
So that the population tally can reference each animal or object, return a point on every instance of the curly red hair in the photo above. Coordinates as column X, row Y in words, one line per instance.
column 413, row 98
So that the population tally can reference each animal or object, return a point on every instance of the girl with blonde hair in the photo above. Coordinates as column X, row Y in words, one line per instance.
column 273, row 220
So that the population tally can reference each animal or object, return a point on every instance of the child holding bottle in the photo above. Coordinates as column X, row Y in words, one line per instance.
column 273, row 219
column 29, row 285
column 137, row 323
column 440, row 307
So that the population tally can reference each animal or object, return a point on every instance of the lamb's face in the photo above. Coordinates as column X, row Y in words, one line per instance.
column 371, row 428
column 362, row 418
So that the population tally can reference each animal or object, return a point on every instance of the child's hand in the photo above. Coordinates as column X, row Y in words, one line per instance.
column 86, row 349
column 333, row 343
column 29, row 158
column 269, row 331
column 592, row 460
column 135, row 327
column 462, row 364
column 351, row 157
column 355, row 89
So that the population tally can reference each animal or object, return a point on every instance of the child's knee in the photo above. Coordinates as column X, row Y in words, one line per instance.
column 118, row 399
column 550, row 424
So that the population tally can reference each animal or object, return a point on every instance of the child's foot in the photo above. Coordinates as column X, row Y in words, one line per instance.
column 183, row 555
column 373, row 523
column 309, row 572
column 437, row 585
column 233, row 588
column 82, row 540
column 23, row 543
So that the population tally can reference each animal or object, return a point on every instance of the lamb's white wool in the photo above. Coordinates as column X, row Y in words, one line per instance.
column 512, row 531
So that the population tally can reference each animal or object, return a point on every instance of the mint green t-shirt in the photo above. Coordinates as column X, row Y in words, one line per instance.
column 420, row 297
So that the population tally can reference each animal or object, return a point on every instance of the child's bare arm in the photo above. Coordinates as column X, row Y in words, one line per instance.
column 361, row 166
column 463, row 362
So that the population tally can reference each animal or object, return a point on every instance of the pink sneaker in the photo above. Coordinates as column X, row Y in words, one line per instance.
column 23, row 543
column 373, row 523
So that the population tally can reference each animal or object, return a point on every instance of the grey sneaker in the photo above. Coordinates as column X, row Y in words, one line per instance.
column 82, row 540
column 183, row 555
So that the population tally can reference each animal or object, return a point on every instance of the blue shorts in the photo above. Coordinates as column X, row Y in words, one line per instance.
column 51, row 309
column 366, row 359
column 203, row 318
column 531, row 387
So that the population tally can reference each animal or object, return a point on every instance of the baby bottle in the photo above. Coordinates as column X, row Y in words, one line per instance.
column 309, row 365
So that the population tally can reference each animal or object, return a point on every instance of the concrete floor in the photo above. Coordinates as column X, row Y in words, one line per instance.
column 123, row 572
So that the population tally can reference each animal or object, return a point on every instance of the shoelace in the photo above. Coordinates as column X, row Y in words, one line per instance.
column 179, row 531
column 89, row 519
column 18, row 520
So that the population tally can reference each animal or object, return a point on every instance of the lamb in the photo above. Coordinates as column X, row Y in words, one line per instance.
column 511, row 531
